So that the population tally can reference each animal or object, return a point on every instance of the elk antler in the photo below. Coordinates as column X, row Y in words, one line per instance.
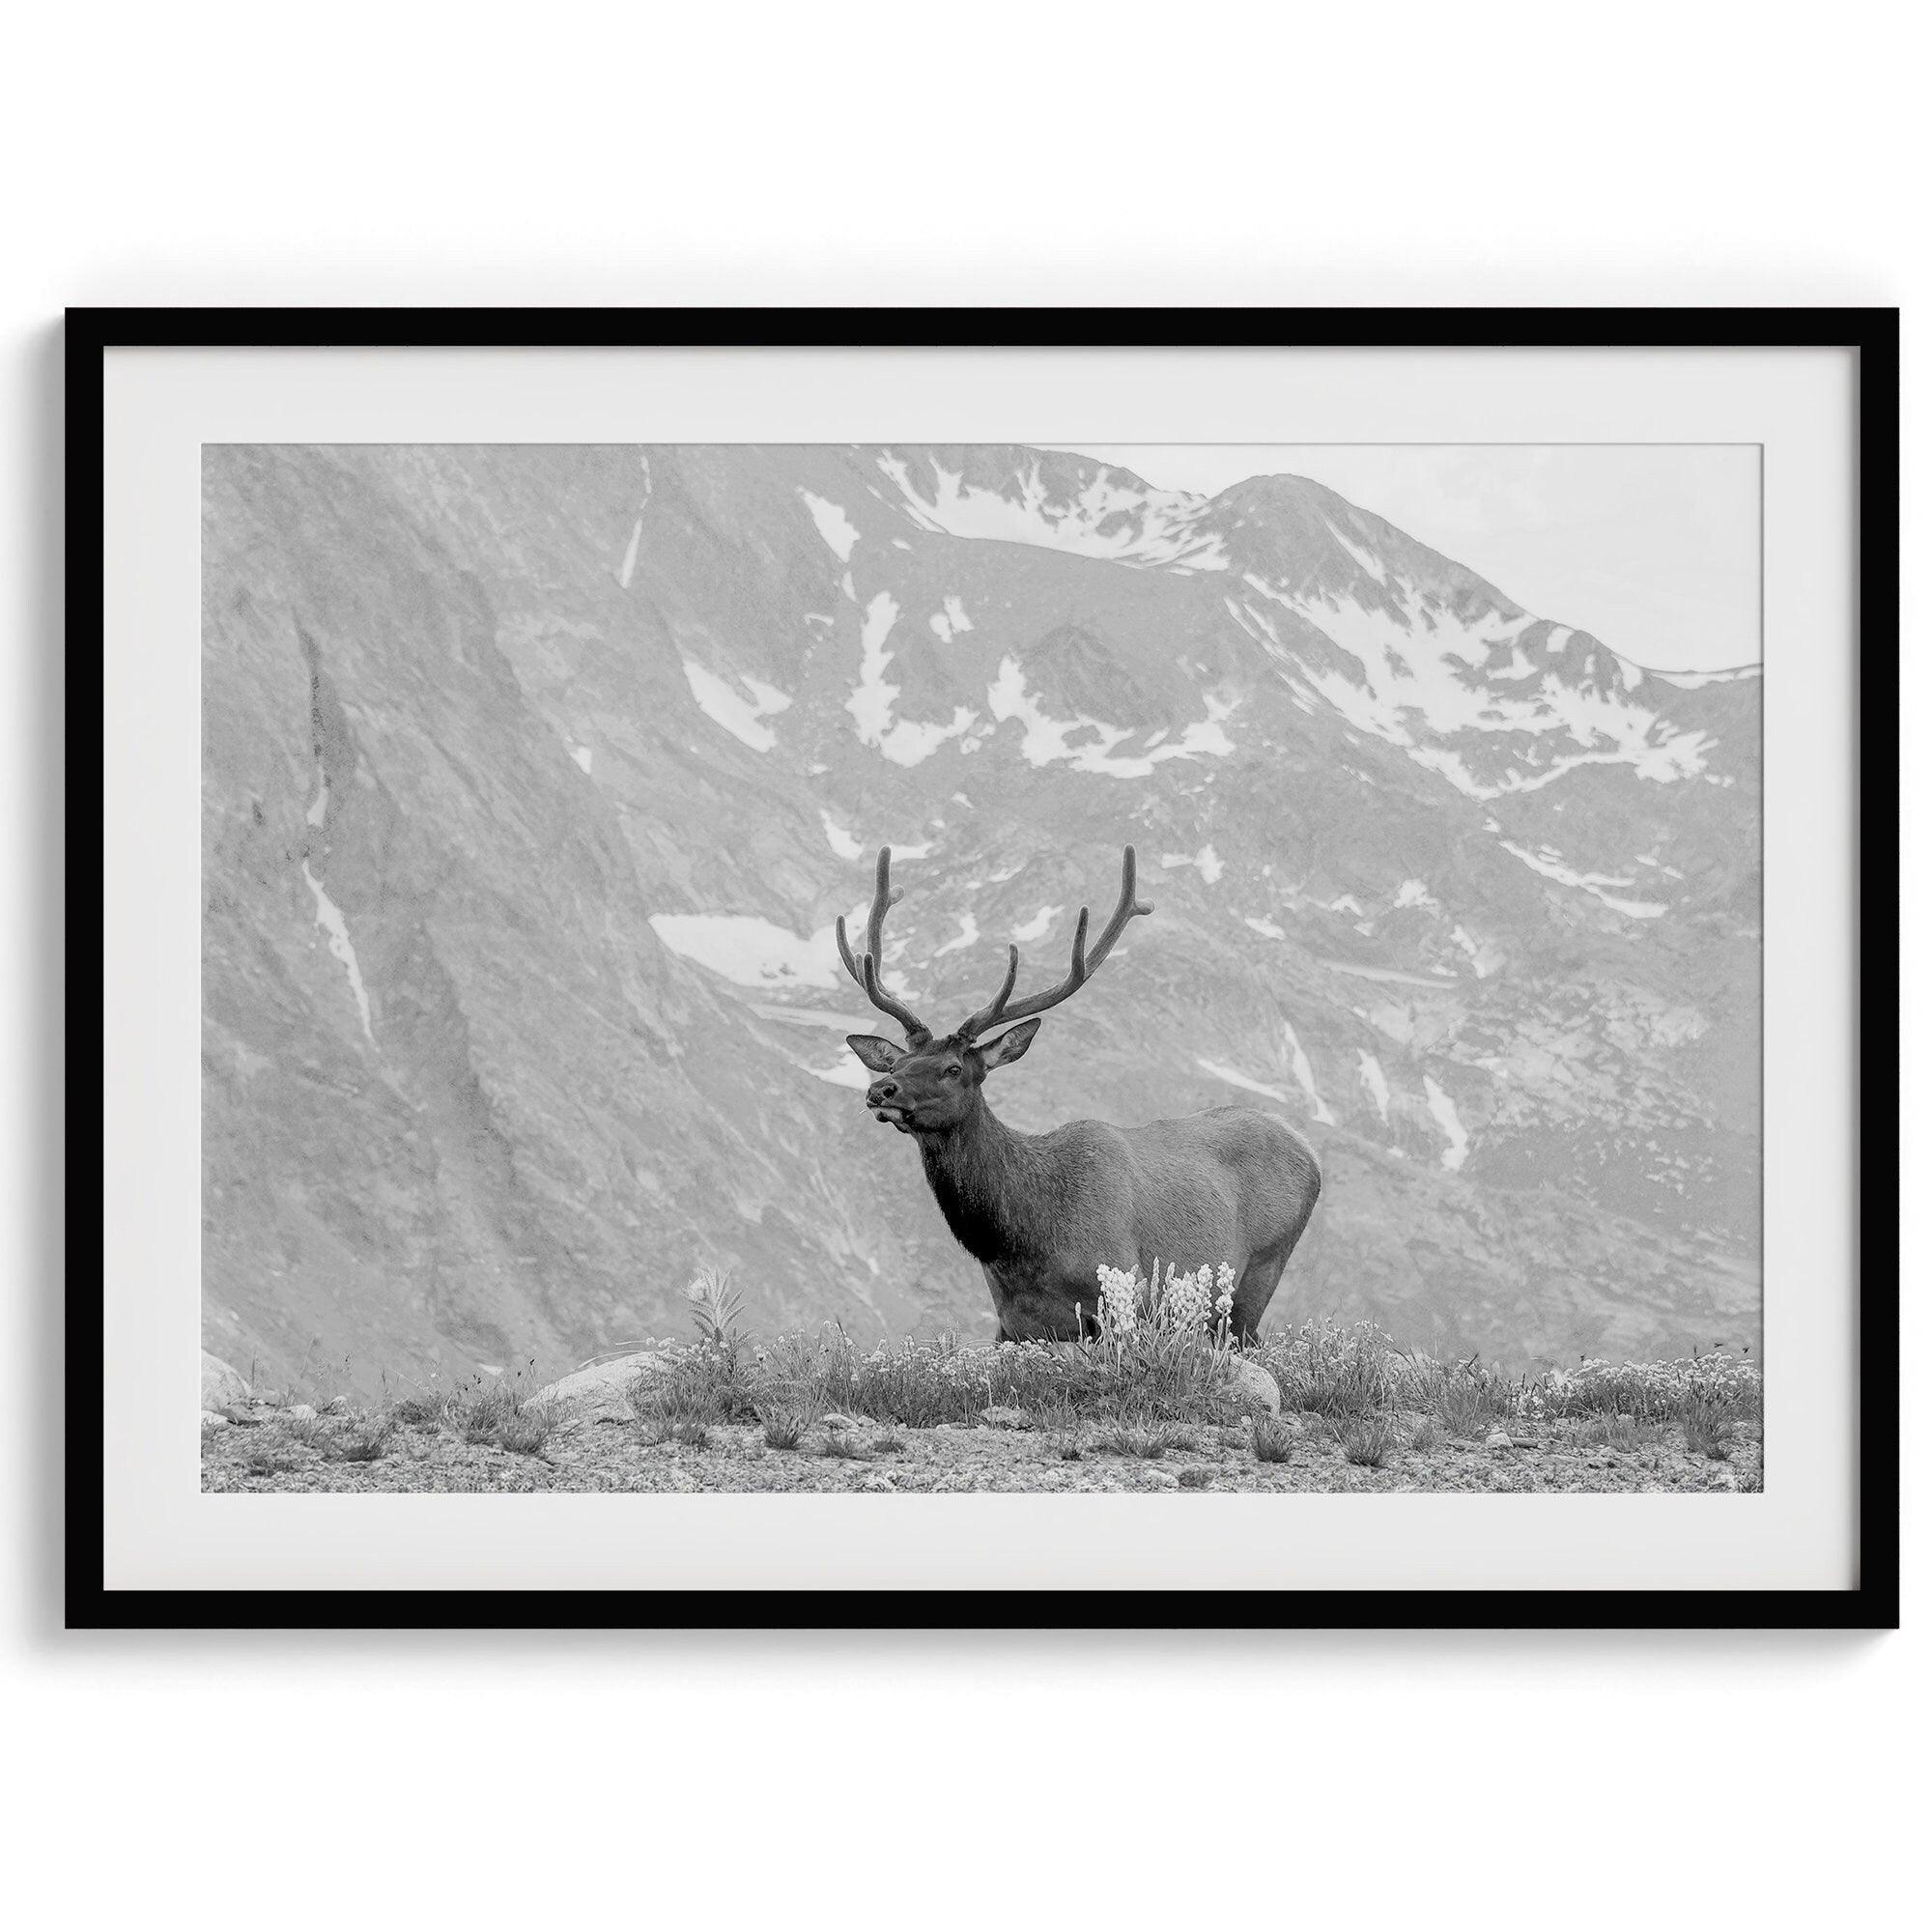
column 866, row 968
column 1084, row 964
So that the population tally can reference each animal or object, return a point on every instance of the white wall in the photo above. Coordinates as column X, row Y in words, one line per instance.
column 1212, row 153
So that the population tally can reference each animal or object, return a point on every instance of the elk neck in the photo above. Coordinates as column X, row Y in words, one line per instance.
column 987, row 1180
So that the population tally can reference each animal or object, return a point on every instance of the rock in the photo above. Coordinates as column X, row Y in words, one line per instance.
column 596, row 1392
column 879, row 1483
column 212, row 1418
column 999, row 1417
column 1498, row 1439
column 1162, row 1479
column 300, row 1412
column 221, row 1387
column 839, row 1422
column 1252, row 1384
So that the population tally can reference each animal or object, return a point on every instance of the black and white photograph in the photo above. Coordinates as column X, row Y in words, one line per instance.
column 897, row 968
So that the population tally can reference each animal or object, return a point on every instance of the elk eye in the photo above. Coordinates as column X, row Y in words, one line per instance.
column 952, row 1073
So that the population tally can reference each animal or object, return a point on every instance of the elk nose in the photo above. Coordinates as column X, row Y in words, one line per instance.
column 881, row 1090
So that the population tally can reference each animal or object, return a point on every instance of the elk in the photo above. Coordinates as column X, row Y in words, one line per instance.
column 1041, row 1212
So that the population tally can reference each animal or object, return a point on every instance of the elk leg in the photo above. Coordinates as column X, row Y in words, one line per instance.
column 1256, row 1289
column 1263, row 1274
column 1002, row 1332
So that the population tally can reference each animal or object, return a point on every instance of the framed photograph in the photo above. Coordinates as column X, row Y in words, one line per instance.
column 921, row 968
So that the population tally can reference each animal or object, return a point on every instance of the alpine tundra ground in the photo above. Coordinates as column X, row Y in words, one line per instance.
column 814, row 1413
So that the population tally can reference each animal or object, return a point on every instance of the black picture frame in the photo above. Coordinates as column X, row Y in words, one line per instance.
column 1872, row 333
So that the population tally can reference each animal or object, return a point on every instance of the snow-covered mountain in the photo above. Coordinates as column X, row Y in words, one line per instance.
column 535, row 778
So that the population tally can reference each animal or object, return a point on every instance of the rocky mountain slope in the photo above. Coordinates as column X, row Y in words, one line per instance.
column 535, row 778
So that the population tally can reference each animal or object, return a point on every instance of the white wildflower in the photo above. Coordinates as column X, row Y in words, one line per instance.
column 1118, row 1291
column 1184, row 1297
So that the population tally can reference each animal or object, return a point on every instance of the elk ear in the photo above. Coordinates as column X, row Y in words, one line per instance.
column 1009, row 1045
column 880, row 1055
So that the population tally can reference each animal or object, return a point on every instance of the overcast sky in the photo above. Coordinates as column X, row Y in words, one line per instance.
column 1651, row 546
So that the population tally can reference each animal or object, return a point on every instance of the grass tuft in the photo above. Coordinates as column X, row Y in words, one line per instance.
column 365, row 1442
column 1366, row 1439
column 1273, row 1441
column 785, row 1426
column 1141, row 1436
column 527, row 1428
column 1707, row 1428
column 683, row 1401
column 1622, row 1432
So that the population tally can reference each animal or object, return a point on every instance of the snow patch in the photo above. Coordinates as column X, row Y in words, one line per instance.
column 1374, row 1080
column 1421, row 673
column 969, row 932
column 1552, row 866
column 1384, row 975
column 740, row 715
column 1035, row 927
column 1149, row 528
column 1414, row 892
column 844, row 1071
column 1205, row 861
column 1267, row 927
column 1304, row 1073
column 1241, row 1080
column 1444, row 1109
column 752, row 951
column 630, row 562
column 1368, row 560
column 838, row 839
column 1697, row 680
column 838, row 529
column 951, row 621
column 769, row 699
column 329, row 917
column 902, row 741
column 1484, row 959
column 583, row 755
column 1046, row 739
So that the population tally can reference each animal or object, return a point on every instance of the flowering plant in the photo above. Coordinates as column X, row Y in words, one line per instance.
column 1168, row 1335
column 1176, row 1302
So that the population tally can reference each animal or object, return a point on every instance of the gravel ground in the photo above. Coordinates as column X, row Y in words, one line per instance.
column 305, row 1456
